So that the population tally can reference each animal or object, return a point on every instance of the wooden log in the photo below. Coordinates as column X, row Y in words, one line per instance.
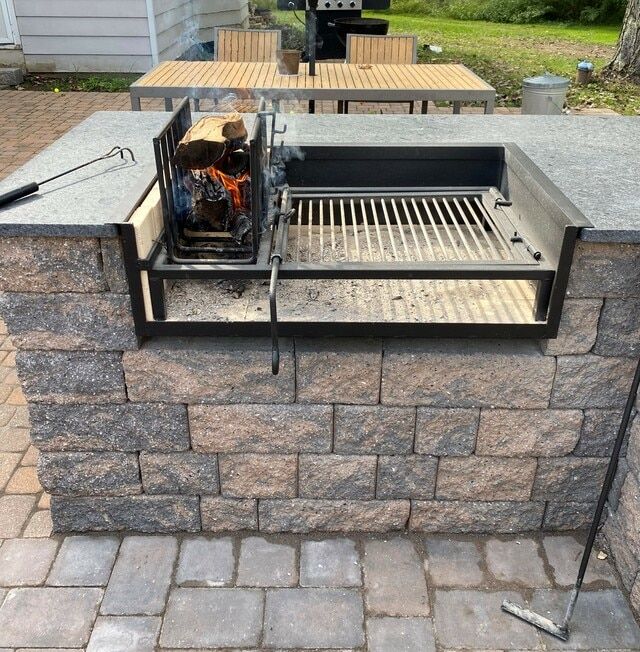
column 207, row 140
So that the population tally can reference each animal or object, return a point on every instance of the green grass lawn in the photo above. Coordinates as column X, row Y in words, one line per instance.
column 503, row 54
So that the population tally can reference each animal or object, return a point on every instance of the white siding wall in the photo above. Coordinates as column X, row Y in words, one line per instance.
column 84, row 35
column 180, row 24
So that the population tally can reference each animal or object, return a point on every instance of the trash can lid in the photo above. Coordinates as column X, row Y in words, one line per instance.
column 546, row 81
column 585, row 65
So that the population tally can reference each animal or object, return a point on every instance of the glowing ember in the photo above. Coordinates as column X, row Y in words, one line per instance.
column 233, row 185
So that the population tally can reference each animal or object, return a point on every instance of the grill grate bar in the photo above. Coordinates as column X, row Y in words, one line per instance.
column 437, row 227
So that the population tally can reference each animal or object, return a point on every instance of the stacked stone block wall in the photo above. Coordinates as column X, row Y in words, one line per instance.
column 361, row 434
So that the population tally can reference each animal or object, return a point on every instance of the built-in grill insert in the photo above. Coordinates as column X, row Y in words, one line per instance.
column 456, row 218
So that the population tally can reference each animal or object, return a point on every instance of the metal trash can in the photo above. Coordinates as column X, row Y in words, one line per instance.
column 585, row 72
column 544, row 95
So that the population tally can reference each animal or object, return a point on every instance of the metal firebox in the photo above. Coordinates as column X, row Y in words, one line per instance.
column 451, row 222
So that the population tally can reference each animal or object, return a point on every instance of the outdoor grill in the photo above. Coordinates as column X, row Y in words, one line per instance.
column 451, row 240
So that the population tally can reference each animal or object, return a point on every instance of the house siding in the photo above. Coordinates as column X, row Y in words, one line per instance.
column 76, row 35
column 180, row 24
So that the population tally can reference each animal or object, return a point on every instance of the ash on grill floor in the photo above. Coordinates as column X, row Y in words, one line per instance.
column 508, row 302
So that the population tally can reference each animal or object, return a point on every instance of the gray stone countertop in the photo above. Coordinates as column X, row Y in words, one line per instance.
column 593, row 160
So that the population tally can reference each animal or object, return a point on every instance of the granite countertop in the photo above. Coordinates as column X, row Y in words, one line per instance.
column 592, row 159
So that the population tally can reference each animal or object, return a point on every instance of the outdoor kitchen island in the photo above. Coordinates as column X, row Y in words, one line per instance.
column 355, row 434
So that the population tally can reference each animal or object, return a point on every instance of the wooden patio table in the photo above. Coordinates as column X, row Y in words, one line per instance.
column 333, row 81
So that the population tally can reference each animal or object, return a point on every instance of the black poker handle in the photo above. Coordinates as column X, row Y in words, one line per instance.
column 18, row 193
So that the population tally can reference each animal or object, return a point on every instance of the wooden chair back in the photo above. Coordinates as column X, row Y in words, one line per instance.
column 398, row 48
column 246, row 44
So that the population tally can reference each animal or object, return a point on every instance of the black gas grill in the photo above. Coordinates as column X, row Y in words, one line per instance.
column 462, row 218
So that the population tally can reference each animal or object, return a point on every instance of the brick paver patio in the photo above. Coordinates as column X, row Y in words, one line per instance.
column 382, row 594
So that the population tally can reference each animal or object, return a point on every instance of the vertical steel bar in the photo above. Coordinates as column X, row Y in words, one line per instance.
column 412, row 229
column 310, row 229
column 443, row 221
column 333, row 230
column 388, row 222
column 343, row 226
column 383, row 255
column 299, row 229
column 423, row 228
column 454, row 221
column 321, row 209
column 435, row 229
column 404, row 240
column 365, row 222
column 355, row 229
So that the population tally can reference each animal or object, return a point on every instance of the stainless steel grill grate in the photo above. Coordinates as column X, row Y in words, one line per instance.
column 404, row 227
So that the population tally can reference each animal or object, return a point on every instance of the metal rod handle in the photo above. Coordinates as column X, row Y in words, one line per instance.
column 18, row 193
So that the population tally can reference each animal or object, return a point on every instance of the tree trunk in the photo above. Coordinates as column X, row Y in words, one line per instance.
column 627, row 57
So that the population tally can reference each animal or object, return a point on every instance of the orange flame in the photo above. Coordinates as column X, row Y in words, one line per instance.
column 233, row 185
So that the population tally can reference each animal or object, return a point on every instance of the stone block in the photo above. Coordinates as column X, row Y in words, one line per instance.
column 71, row 377
column 466, row 373
column 313, row 618
column 578, row 328
column 113, row 264
column 39, row 526
column 329, row 563
column 343, row 371
column 373, row 429
column 475, row 516
column 129, row 427
column 69, row 322
column 26, row 562
column 304, row 515
column 179, row 473
column 274, row 429
column 138, row 633
column 516, row 562
column 400, row 635
column 485, row 478
column 618, row 540
column 602, row 621
column 453, row 563
column 48, row 617
column 591, row 381
column 11, row 77
column 228, row 514
column 136, row 513
column 338, row 477
column 394, row 579
column 204, row 370
column 89, row 474
column 205, row 562
column 598, row 434
column 406, row 476
column 84, row 561
column 446, row 431
column 473, row 620
column 634, row 596
column 633, row 450
column 619, row 328
column 253, row 475
column 141, row 576
column 264, row 563
column 569, row 479
column 533, row 433
column 42, row 264
column 567, row 515
column 206, row 618
column 603, row 269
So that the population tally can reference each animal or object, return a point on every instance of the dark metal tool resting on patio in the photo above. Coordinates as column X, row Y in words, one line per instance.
column 454, row 213
column 30, row 188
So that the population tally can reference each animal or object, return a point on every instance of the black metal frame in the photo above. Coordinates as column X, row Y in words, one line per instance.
column 521, row 183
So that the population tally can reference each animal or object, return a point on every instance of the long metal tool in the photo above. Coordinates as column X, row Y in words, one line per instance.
column 561, row 630
column 28, row 189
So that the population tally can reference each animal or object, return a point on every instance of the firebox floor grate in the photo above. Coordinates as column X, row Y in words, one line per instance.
column 389, row 301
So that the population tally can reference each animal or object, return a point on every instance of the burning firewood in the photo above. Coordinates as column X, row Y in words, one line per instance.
column 207, row 141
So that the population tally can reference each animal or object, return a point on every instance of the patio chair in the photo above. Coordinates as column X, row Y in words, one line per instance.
column 231, row 44
column 398, row 48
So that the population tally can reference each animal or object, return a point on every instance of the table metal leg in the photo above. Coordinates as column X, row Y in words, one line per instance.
column 135, row 103
column 276, row 106
column 312, row 106
column 168, row 104
column 196, row 104
column 425, row 107
column 456, row 107
column 341, row 106
column 411, row 108
column 488, row 105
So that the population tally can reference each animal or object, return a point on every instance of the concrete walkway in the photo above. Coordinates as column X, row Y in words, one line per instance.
column 390, row 594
